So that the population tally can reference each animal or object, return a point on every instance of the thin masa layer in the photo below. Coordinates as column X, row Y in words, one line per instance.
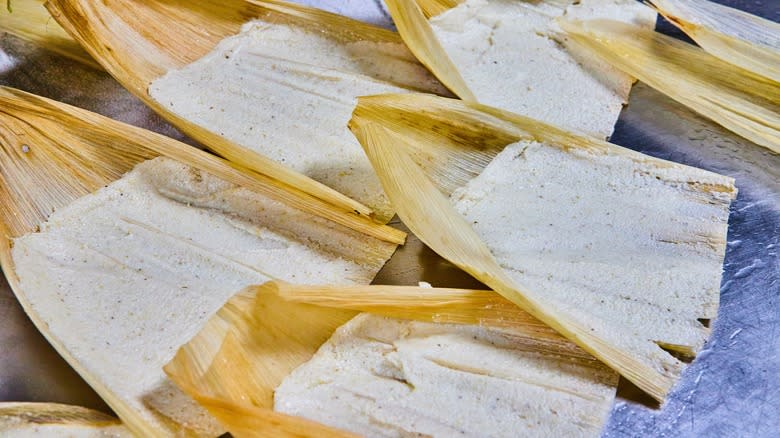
column 386, row 377
column 126, row 275
column 288, row 92
column 513, row 56
column 631, row 250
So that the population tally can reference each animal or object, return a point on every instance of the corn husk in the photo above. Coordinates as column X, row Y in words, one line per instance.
column 740, row 101
column 54, row 154
column 19, row 419
column 236, row 362
column 410, row 18
column 409, row 137
column 29, row 20
column 138, row 43
column 734, row 36
column 513, row 56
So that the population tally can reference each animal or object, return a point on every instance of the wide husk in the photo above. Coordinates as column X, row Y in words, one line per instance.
column 513, row 56
column 734, row 36
column 742, row 102
column 245, row 351
column 138, row 43
column 53, row 154
column 57, row 420
column 29, row 20
column 424, row 147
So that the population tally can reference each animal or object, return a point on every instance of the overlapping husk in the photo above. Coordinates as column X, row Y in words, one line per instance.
column 235, row 363
column 424, row 147
column 53, row 154
column 138, row 43
column 734, row 36
column 741, row 101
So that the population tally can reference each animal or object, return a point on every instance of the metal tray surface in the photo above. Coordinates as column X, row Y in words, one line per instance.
column 731, row 389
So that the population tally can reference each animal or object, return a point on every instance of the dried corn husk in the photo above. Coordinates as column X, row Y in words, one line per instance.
column 512, row 55
column 734, row 36
column 740, row 101
column 141, row 44
column 234, row 365
column 54, row 156
column 29, row 20
column 410, row 138
column 19, row 420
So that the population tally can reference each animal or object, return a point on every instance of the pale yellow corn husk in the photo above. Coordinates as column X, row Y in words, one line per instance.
column 245, row 351
column 138, row 43
column 54, row 154
column 19, row 419
column 513, row 55
column 29, row 20
column 734, row 36
column 419, row 146
column 740, row 101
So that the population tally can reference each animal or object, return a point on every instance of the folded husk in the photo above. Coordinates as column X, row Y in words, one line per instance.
column 138, row 42
column 29, row 20
column 740, row 101
column 53, row 154
column 235, row 363
column 392, row 126
column 734, row 36
column 58, row 420
column 410, row 18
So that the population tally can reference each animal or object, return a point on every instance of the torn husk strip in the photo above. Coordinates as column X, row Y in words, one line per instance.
column 138, row 43
column 57, row 420
column 743, row 102
column 419, row 37
column 263, row 333
column 29, row 20
column 734, row 36
column 404, row 137
column 56, row 122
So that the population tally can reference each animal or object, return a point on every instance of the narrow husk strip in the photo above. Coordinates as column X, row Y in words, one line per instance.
column 418, row 35
column 740, row 101
column 28, row 418
column 735, row 36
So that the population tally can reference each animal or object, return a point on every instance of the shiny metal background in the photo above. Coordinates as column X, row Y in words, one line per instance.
column 731, row 389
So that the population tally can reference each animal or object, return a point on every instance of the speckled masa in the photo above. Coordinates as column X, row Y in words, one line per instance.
column 732, row 389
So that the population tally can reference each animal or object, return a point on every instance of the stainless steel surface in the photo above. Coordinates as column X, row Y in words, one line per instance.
column 731, row 389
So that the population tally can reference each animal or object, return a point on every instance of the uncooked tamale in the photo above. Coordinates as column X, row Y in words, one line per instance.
column 117, row 273
column 378, row 376
column 512, row 55
column 618, row 251
column 267, row 77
